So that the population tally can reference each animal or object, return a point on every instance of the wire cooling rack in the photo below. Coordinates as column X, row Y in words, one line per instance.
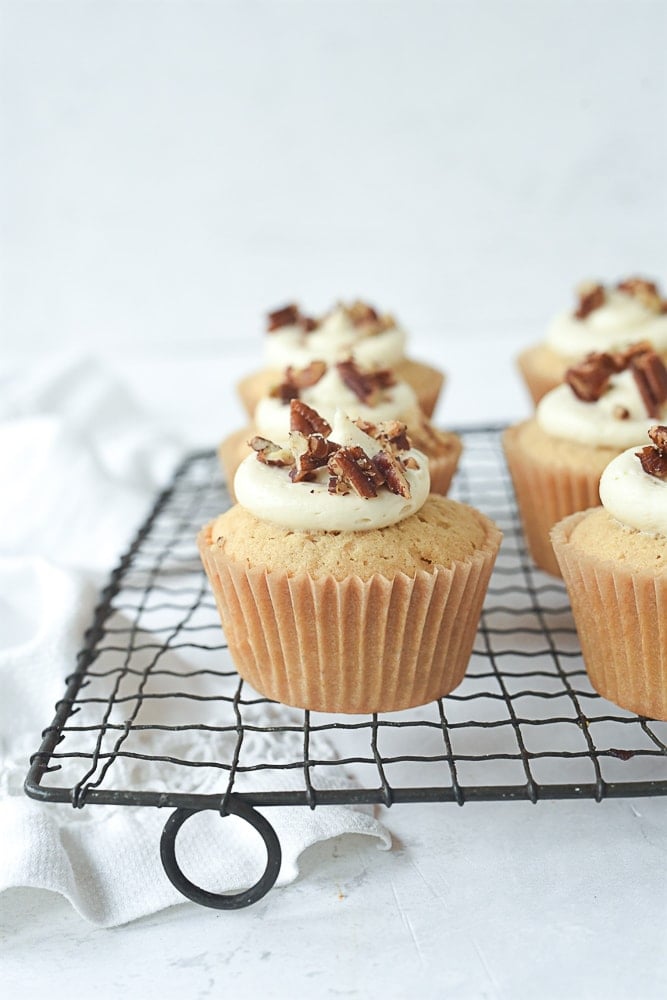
column 156, row 715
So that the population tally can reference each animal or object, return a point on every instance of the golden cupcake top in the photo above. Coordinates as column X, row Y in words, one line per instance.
column 345, row 476
column 609, row 399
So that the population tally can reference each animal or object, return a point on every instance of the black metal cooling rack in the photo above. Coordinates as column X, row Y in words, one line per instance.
column 156, row 715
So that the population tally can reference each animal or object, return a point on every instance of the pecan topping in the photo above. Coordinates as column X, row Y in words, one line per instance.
column 646, row 291
column 305, row 419
column 650, row 375
column 289, row 315
column 591, row 296
column 297, row 379
column 589, row 379
column 654, row 457
column 311, row 452
column 368, row 319
column 352, row 468
column 270, row 453
column 391, row 471
column 286, row 316
column 367, row 386
column 392, row 434
column 621, row 412
column 658, row 435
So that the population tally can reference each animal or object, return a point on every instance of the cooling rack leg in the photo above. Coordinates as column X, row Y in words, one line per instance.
column 221, row 901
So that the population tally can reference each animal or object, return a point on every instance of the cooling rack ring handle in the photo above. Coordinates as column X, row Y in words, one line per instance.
column 218, row 900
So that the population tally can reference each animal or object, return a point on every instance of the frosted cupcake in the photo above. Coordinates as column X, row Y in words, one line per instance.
column 367, row 394
column 556, row 458
column 343, row 584
column 374, row 339
column 605, row 319
column 614, row 563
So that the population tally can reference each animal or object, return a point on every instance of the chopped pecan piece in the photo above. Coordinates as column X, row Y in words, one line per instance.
column 650, row 376
column 367, row 386
column 392, row 434
column 361, row 312
column 646, row 291
column 286, row 316
column 271, row 453
column 307, row 420
column 621, row 412
column 658, row 435
column 589, row 379
column 353, row 468
column 297, row 379
column 310, row 452
column 368, row 319
column 591, row 296
column 393, row 476
column 654, row 461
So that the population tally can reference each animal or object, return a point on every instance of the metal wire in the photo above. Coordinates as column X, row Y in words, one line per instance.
column 155, row 714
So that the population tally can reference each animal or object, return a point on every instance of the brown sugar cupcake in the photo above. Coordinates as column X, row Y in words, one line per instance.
column 557, row 457
column 614, row 563
column 605, row 319
column 367, row 394
column 342, row 584
column 374, row 339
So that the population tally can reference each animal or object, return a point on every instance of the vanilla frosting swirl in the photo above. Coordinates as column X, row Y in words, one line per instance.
column 622, row 320
column 561, row 414
column 632, row 496
column 335, row 337
column 269, row 493
column 398, row 402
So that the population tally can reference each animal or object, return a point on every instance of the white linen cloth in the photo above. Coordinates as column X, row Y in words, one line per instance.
column 81, row 463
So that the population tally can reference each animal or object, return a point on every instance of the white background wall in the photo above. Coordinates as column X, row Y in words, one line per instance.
column 169, row 170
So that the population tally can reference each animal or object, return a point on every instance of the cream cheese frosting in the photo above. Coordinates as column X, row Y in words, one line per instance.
column 269, row 493
column 398, row 402
column 335, row 337
column 561, row 414
column 632, row 496
column 622, row 320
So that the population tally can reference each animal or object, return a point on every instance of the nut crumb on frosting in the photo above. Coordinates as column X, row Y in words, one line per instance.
column 653, row 457
column 590, row 379
column 350, row 467
column 591, row 295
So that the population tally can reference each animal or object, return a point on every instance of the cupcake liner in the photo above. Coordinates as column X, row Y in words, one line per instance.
column 427, row 382
column 545, row 494
column 538, row 373
column 253, row 387
column 442, row 467
column 621, row 618
column 350, row 646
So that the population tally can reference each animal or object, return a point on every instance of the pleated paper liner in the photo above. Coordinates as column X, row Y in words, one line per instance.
column 546, row 493
column 351, row 646
column 621, row 616
column 541, row 369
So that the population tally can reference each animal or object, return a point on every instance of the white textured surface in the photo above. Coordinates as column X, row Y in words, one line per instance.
column 170, row 168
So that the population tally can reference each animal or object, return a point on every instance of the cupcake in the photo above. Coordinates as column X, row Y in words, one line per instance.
column 375, row 340
column 614, row 563
column 556, row 458
column 343, row 584
column 605, row 319
column 367, row 394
